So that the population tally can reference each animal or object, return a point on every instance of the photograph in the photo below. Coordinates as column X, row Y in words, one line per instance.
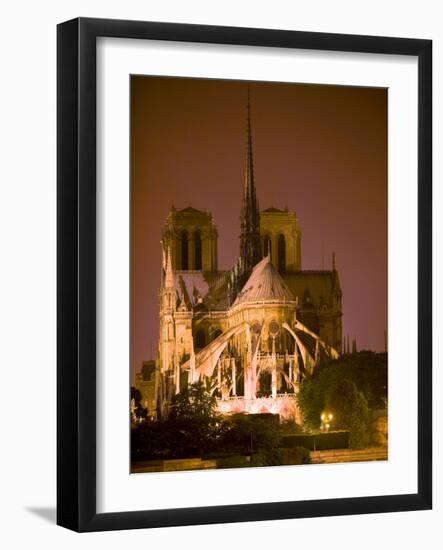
column 221, row 268
column 258, row 274
column 221, row 227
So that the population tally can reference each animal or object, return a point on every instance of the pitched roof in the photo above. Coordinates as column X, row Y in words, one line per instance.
column 319, row 284
column 209, row 288
column 264, row 284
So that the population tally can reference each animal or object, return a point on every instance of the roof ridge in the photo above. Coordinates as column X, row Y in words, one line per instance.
column 264, row 284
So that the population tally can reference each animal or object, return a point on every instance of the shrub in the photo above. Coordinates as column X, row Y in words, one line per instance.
column 317, row 441
column 272, row 457
column 290, row 427
column 175, row 438
column 235, row 461
column 246, row 433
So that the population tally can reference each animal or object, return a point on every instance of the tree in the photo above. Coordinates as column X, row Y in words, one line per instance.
column 311, row 400
column 193, row 423
column 367, row 371
column 139, row 410
column 256, row 435
column 351, row 412
column 192, row 428
column 194, row 401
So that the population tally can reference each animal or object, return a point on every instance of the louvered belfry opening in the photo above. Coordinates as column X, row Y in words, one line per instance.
column 281, row 253
column 184, row 250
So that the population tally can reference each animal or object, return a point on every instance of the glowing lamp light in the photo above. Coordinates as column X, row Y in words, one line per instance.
column 326, row 421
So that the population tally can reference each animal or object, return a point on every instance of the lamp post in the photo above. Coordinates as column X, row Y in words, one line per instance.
column 326, row 419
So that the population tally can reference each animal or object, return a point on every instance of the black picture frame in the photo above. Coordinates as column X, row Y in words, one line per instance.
column 76, row 274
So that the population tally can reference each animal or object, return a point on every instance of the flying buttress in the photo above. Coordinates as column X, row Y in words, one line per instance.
column 309, row 361
column 204, row 362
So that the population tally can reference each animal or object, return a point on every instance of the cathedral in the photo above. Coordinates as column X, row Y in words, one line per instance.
column 250, row 333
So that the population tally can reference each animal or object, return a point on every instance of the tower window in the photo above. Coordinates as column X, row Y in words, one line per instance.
column 198, row 250
column 184, row 250
column 267, row 246
column 281, row 254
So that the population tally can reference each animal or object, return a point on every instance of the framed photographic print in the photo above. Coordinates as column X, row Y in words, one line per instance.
column 244, row 274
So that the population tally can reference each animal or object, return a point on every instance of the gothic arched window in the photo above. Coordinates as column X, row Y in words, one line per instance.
column 184, row 250
column 267, row 246
column 198, row 250
column 200, row 339
column 281, row 254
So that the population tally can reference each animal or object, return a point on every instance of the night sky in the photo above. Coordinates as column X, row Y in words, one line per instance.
column 318, row 150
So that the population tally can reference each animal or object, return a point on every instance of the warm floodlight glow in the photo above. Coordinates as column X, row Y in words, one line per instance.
column 326, row 418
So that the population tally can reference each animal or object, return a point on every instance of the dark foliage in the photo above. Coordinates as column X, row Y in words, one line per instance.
column 194, row 400
column 174, row 438
column 233, row 461
column 351, row 411
column 192, row 429
column 246, row 433
column 140, row 411
column 347, row 387
column 270, row 457
column 317, row 441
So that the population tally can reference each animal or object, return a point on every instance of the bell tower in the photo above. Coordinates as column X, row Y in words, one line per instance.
column 191, row 235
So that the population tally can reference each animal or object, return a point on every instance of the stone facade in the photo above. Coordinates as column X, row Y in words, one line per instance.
column 281, row 238
column 250, row 333
column 191, row 237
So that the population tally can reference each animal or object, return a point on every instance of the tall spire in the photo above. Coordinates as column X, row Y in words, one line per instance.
column 249, row 187
column 354, row 345
column 169, row 273
column 250, row 247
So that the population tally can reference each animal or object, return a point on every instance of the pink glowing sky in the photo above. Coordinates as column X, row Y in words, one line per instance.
column 319, row 150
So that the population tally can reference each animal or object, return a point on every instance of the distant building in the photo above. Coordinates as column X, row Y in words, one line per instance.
column 145, row 382
column 250, row 333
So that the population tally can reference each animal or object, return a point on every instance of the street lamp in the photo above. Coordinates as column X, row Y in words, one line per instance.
column 326, row 419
